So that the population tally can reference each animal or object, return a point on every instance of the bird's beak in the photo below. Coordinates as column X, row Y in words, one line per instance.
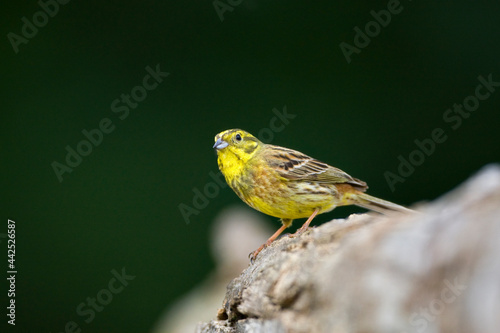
column 219, row 144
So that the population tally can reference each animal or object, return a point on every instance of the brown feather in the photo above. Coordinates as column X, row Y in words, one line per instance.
column 293, row 165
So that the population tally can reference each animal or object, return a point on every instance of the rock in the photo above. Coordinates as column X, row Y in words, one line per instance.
column 437, row 270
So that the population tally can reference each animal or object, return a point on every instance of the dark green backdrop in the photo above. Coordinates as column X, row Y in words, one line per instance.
column 119, row 208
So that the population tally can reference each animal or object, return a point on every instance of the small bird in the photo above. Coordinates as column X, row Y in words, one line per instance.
column 286, row 183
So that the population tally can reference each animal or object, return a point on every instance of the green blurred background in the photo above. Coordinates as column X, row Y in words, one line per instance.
column 120, row 206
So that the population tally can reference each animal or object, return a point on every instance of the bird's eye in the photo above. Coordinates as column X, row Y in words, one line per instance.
column 238, row 137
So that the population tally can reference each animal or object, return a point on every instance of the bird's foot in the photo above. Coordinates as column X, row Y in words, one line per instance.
column 301, row 230
column 253, row 255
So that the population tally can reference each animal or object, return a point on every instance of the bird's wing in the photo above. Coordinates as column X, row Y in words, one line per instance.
column 294, row 165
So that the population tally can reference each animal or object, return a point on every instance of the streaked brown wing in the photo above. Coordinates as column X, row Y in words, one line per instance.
column 294, row 165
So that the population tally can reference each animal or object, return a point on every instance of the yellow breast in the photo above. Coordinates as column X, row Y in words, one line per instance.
column 262, row 188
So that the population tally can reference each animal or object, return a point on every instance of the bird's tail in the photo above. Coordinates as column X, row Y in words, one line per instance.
column 378, row 205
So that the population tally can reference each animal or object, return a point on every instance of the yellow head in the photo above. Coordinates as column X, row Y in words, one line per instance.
column 234, row 148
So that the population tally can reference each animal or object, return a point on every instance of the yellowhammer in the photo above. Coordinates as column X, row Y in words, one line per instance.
column 287, row 184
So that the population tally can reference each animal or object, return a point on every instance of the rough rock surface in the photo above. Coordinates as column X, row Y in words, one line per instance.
column 433, row 271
